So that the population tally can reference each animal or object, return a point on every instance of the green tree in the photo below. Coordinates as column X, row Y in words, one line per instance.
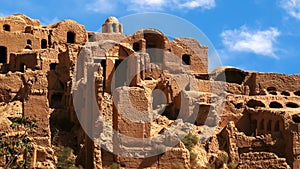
column 18, row 148
column 64, row 160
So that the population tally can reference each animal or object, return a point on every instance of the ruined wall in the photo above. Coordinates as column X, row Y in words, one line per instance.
column 278, row 82
column 16, row 43
column 68, row 31
column 13, row 24
column 262, row 160
column 193, row 54
column 132, row 121
column 258, row 126
column 30, row 90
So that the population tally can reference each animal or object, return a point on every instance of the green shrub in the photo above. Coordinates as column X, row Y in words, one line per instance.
column 232, row 165
column 115, row 166
column 190, row 141
column 177, row 165
column 64, row 161
column 193, row 156
column 18, row 148
column 223, row 156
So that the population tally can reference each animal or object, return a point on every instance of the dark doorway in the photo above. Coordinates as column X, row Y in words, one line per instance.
column 6, row 27
column 70, row 37
column 3, row 54
column 43, row 43
column 154, row 46
column 255, row 103
column 120, row 73
column 29, row 42
column 297, row 93
column 186, row 59
column 292, row 105
column 136, row 46
column 53, row 66
column 90, row 38
column 232, row 76
column 56, row 100
column 276, row 105
column 113, row 28
column 284, row 93
column 254, row 127
column 103, row 65
column 296, row 118
column 22, row 67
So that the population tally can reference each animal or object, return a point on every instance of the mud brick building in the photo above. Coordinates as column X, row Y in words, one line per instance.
column 162, row 85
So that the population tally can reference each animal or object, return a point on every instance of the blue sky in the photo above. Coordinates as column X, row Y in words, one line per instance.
column 259, row 35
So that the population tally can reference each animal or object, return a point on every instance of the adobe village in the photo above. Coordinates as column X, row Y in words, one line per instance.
column 180, row 114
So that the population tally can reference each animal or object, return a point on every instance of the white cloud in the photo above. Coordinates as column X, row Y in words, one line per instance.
column 207, row 4
column 260, row 42
column 101, row 6
column 146, row 5
column 104, row 6
column 292, row 7
column 141, row 5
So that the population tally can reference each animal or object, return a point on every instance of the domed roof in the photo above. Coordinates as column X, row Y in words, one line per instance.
column 112, row 19
column 15, row 18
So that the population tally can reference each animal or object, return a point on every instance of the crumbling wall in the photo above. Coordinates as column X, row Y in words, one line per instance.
column 261, row 160
column 277, row 82
column 28, row 94
column 260, row 115
column 68, row 31
column 196, row 53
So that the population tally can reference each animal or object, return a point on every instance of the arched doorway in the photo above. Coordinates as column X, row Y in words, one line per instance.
column 70, row 37
column 6, row 27
column 154, row 45
column 186, row 59
column 43, row 43
column 3, row 54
